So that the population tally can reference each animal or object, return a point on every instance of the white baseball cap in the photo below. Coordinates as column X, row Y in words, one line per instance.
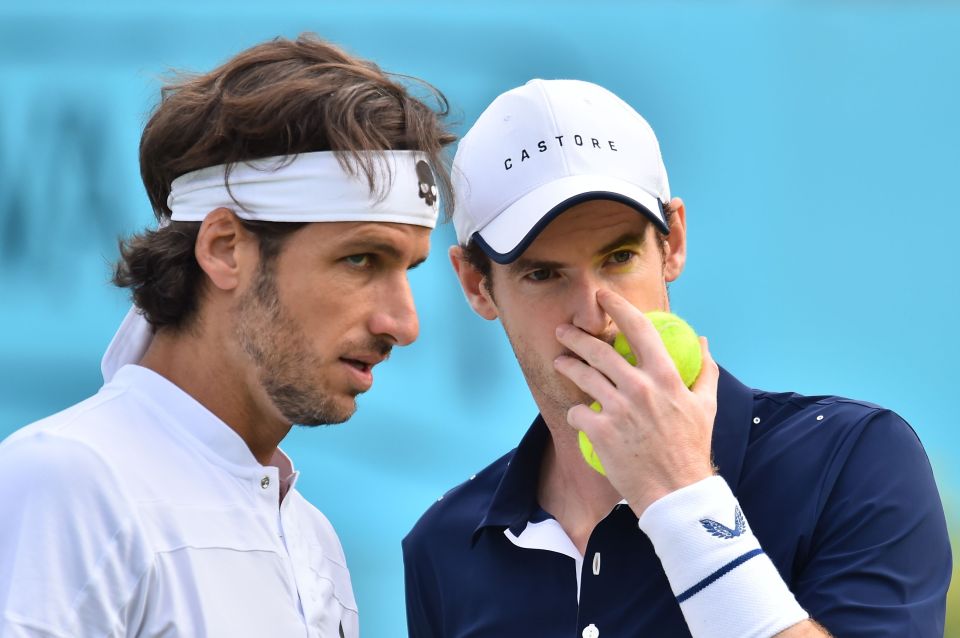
column 543, row 147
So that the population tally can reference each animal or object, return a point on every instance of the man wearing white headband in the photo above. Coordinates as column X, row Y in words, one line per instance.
column 294, row 186
column 725, row 511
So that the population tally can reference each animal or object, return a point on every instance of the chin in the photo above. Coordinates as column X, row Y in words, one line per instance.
column 311, row 409
column 333, row 414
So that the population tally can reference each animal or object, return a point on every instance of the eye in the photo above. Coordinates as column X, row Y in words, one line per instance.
column 360, row 261
column 541, row 274
column 621, row 256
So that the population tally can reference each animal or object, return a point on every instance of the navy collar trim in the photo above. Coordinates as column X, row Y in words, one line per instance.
column 515, row 503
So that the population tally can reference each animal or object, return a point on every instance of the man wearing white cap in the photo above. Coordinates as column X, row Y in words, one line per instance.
column 725, row 511
column 294, row 190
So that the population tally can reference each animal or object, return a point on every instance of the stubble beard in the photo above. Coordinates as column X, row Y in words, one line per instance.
column 553, row 392
column 281, row 352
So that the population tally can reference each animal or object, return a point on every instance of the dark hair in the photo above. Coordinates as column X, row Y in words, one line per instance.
column 281, row 97
column 479, row 260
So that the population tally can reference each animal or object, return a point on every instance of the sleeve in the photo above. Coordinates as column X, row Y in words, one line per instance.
column 422, row 601
column 880, row 559
column 69, row 557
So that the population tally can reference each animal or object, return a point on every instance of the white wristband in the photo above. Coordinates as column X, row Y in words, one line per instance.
column 725, row 584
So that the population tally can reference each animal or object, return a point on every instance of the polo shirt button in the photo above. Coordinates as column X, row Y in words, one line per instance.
column 265, row 482
column 591, row 631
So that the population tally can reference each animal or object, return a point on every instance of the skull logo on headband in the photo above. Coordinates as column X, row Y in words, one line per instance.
column 428, row 187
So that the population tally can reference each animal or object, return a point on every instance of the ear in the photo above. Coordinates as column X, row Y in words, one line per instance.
column 675, row 256
column 471, row 280
column 225, row 249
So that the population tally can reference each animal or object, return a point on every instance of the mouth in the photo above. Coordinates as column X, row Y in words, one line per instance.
column 358, row 365
column 366, row 360
column 360, row 373
column 361, row 368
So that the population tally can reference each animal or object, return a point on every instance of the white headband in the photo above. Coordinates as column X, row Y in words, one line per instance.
column 310, row 187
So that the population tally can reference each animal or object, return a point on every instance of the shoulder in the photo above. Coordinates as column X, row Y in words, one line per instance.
column 458, row 512
column 65, row 471
column 51, row 482
column 77, row 454
column 790, row 413
column 821, row 432
column 45, row 461
column 65, row 512
column 815, row 438
column 817, row 465
column 93, row 423
column 838, row 491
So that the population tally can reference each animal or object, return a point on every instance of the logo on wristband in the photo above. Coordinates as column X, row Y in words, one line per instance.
column 722, row 531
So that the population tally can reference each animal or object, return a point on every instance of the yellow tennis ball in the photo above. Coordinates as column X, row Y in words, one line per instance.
column 682, row 344
column 586, row 449
column 623, row 348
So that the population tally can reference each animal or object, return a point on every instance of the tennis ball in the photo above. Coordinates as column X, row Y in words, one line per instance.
column 682, row 344
column 623, row 348
column 586, row 449
column 684, row 348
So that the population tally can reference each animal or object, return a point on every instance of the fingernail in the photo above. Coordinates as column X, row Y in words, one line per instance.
column 562, row 329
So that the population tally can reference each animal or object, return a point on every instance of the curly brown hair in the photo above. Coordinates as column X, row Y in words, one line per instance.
column 282, row 97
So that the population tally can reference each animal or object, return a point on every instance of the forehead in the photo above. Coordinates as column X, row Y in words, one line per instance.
column 587, row 228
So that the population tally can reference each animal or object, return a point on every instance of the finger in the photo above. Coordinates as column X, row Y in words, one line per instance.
column 595, row 352
column 580, row 417
column 644, row 340
column 587, row 378
column 709, row 377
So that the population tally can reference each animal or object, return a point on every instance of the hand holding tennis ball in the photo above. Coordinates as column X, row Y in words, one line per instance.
column 684, row 348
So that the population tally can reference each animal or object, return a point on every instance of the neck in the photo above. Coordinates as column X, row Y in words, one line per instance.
column 576, row 495
column 201, row 364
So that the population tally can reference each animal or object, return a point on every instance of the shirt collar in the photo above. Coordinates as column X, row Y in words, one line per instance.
column 219, row 442
column 285, row 470
column 514, row 501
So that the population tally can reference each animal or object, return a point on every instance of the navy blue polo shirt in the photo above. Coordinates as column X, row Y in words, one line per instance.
column 839, row 493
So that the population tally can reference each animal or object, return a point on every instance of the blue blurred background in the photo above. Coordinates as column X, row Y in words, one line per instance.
column 816, row 144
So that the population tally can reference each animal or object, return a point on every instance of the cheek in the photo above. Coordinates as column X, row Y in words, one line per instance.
column 320, row 291
column 643, row 287
column 322, row 314
column 535, row 335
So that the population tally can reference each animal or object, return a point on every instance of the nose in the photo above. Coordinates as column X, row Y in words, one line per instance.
column 396, row 315
column 585, row 311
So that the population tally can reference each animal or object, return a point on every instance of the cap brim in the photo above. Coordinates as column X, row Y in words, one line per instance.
column 506, row 237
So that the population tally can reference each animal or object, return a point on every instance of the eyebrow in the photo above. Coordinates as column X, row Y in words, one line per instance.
column 626, row 239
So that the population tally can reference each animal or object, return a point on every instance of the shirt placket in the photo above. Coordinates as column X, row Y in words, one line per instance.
column 267, row 488
column 623, row 590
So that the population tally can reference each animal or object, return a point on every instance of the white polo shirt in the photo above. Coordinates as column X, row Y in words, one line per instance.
column 139, row 513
